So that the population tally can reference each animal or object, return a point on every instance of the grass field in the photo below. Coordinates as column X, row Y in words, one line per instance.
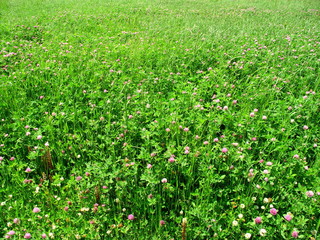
column 159, row 119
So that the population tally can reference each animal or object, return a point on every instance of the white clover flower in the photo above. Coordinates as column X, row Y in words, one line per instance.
column 263, row 232
column 247, row 235
column 235, row 223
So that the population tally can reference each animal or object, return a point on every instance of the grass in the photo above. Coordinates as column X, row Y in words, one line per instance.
column 145, row 119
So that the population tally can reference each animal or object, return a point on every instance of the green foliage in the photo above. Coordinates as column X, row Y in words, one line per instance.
column 166, row 110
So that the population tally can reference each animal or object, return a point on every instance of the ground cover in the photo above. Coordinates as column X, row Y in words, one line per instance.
column 159, row 119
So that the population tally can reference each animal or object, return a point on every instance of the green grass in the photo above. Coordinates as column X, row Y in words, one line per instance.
column 103, row 100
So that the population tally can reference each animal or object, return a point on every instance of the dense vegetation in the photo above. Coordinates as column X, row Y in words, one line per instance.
column 140, row 119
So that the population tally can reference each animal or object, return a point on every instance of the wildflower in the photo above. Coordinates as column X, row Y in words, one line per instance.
column 131, row 217
column 171, row 159
column 39, row 137
column 162, row 222
column 305, row 127
column 258, row 220
column 149, row 166
column 273, row 211
column 28, row 170
column 11, row 233
column 235, row 223
column 78, row 178
column 294, row 234
column 247, row 235
column 84, row 209
column 27, row 181
column 16, row 220
column 310, row 193
column 164, row 180
column 263, row 232
column 47, row 144
column 288, row 217
column 224, row 150
column 27, row 236
column 36, row 210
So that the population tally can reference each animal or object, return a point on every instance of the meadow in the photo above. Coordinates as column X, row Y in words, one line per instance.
column 138, row 119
